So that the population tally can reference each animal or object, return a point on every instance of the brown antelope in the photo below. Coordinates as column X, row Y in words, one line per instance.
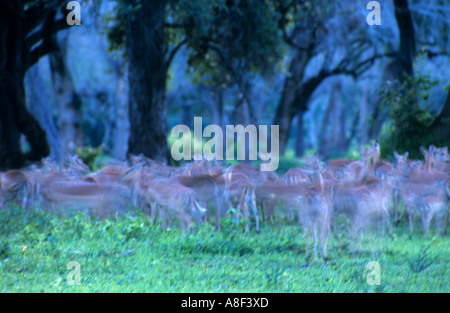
column 362, row 193
column 337, row 164
column 208, row 188
column 176, row 200
column 315, row 213
column 423, row 191
column 262, row 180
column 15, row 186
column 86, row 193
column 356, row 171
column 138, row 178
column 296, row 176
column 165, row 196
column 240, row 190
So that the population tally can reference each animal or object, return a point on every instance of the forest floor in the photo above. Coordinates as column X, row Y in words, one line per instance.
column 128, row 254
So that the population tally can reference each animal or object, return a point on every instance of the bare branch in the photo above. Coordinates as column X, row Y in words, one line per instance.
column 37, row 36
column 175, row 50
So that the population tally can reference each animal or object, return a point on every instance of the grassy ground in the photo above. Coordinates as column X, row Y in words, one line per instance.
column 130, row 255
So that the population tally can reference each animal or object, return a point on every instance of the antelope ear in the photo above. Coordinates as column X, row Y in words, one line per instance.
column 432, row 148
column 422, row 149
column 406, row 154
column 395, row 154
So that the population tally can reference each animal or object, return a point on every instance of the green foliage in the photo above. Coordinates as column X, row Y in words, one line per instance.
column 411, row 115
column 89, row 155
column 232, row 38
column 224, row 39
column 115, row 22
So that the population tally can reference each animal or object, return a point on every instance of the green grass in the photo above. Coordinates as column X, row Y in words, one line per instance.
column 128, row 254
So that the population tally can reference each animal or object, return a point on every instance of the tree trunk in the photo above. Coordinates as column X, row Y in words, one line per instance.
column 324, row 136
column 67, row 99
column 122, row 125
column 299, row 143
column 407, row 49
column 146, row 52
column 363, row 116
column 14, row 116
column 400, row 67
column 294, row 101
column 39, row 105
column 442, row 123
column 338, row 123
column 285, row 110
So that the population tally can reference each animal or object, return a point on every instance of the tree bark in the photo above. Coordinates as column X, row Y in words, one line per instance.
column 289, row 98
column 299, row 143
column 41, row 108
column 400, row 67
column 122, row 125
column 14, row 116
column 363, row 116
column 294, row 101
column 67, row 99
column 338, row 136
column 407, row 48
column 441, row 125
column 146, row 51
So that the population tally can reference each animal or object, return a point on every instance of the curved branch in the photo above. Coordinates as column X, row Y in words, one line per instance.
column 175, row 50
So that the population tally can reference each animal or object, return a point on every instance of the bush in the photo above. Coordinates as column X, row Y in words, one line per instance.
column 411, row 117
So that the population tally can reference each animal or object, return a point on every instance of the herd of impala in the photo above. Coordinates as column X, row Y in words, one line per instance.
column 368, row 192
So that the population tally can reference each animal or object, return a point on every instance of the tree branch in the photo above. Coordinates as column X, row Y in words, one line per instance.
column 175, row 50
column 47, row 45
column 37, row 36
column 38, row 13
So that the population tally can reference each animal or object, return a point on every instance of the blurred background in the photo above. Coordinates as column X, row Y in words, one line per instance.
column 116, row 85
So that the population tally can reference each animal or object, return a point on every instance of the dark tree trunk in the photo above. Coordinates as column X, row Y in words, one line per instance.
column 338, row 123
column 14, row 116
column 324, row 135
column 442, row 123
column 407, row 49
column 363, row 116
column 400, row 67
column 288, row 105
column 146, row 51
column 299, row 143
column 294, row 101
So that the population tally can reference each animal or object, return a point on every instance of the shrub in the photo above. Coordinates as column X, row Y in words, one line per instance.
column 411, row 117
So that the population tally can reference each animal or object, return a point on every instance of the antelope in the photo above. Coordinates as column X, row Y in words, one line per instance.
column 262, row 180
column 165, row 196
column 86, row 192
column 363, row 193
column 315, row 213
column 424, row 191
column 208, row 188
column 239, row 189
column 138, row 178
column 15, row 185
column 356, row 171
column 337, row 164
column 296, row 176
column 177, row 199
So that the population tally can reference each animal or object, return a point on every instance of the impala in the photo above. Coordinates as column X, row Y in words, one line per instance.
column 240, row 190
column 15, row 186
column 208, row 188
